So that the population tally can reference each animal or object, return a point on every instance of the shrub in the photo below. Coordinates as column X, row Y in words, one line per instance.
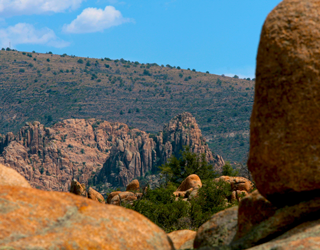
column 88, row 63
column 146, row 72
column 21, row 70
column 48, row 60
column 235, row 76
column 80, row 61
column 180, row 75
column 228, row 170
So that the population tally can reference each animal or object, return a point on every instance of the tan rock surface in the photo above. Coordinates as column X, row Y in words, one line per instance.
column 284, row 146
column 191, row 182
column 134, row 185
column 54, row 220
column 95, row 195
column 219, row 230
column 182, row 239
column 10, row 177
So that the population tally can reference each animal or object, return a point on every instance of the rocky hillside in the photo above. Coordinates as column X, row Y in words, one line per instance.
column 97, row 151
column 50, row 88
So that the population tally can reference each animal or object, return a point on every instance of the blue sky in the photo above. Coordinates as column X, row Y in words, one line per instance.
column 208, row 35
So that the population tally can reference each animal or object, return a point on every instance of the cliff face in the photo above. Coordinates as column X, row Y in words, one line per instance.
column 96, row 151
column 136, row 153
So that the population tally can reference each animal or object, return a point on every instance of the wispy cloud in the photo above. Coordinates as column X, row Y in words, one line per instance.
column 95, row 20
column 29, row 7
column 24, row 33
column 243, row 72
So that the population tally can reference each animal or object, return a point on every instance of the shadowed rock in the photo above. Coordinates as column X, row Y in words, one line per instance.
column 219, row 230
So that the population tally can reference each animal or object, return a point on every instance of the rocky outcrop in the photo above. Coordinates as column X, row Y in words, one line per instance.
column 135, row 153
column 10, row 177
column 96, row 152
column 182, row 131
column 182, row 239
column 49, row 158
column 284, row 144
column 56, row 220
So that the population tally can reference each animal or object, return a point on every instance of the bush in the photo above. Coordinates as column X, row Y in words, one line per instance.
column 235, row 76
column 80, row 61
column 146, row 72
column 48, row 60
column 21, row 70
column 228, row 170
column 88, row 63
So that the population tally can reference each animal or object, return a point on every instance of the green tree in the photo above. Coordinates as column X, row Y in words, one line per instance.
column 80, row 61
column 176, row 170
column 228, row 170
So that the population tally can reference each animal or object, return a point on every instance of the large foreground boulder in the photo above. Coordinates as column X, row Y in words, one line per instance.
column 51, row 220
column 284, row 134
column 11, row 177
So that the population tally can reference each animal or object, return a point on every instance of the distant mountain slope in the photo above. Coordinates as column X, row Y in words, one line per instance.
column 97, row 152
column 50, row 88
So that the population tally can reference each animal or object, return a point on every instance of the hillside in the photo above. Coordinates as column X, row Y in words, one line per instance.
column 49, row 88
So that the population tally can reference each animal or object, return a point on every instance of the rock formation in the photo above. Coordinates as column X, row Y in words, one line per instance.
column 94, row 151
column 284, row 144
column 136, row 153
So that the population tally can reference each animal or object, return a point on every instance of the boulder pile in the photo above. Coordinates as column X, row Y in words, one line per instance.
column 128, row 197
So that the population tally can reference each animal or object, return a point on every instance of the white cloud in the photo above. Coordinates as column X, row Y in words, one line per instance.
column 24, row 33
column 94, row 20
column 29, row 7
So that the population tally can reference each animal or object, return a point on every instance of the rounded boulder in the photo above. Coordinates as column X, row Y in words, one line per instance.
column 284, row 154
